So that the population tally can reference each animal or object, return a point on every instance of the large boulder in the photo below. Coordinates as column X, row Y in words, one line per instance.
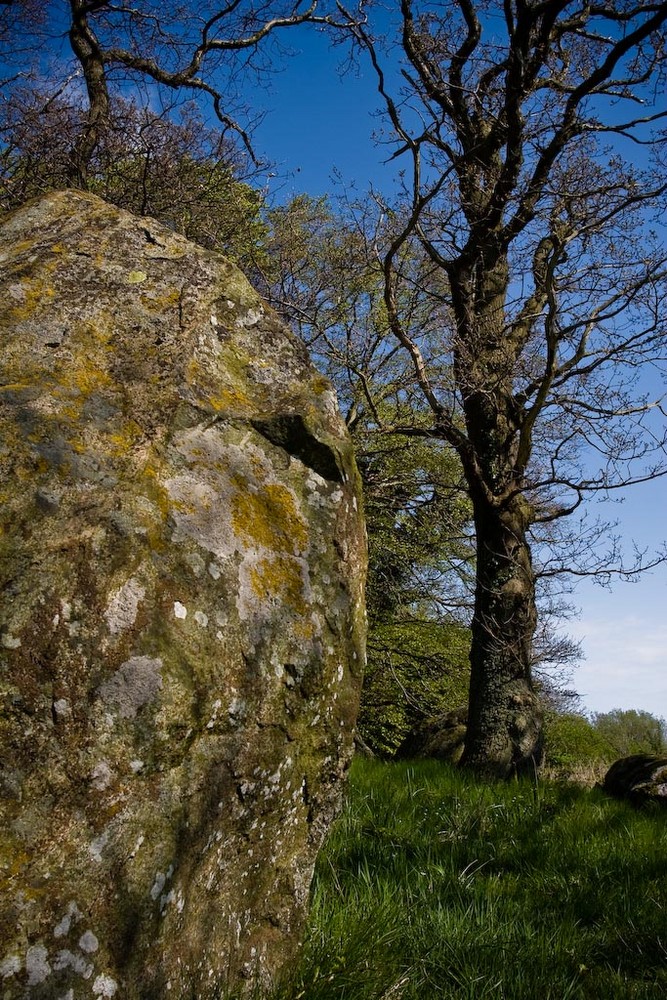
column 639, row 778
column 440, row 738
column 181, row 630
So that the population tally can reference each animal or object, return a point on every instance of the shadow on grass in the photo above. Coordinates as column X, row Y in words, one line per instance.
column 435, row 885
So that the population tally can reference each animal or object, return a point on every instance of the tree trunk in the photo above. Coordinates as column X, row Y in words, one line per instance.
column 504, row 735
column 504, row 723
column 86, row 48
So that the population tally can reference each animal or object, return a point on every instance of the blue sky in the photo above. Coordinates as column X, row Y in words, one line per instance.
column 318, row 121
column 624, row 631
column 319, row 124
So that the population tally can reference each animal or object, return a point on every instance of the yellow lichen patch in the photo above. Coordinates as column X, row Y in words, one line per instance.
column 278, row 577
column 136, row 277
column 304, row 629
column 15, row 386
column 234, row 361
column 229, row 399
column 28, row 297
column 23, row 473
column 269, row 518
column 319, row 384
column 123, row 439
column 166, row 251
column 205, row 380
column 21, row 247
column 11, row 865
column 160, row 302
column 156, row 493
column 79, row 379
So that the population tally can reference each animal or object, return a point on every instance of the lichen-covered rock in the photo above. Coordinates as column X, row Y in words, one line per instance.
column 439, row 738
column 639, row 778
column 181, row 627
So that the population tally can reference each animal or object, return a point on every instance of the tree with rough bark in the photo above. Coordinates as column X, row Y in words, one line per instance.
column 533, row 173
column 321, row 271
column 88, row 54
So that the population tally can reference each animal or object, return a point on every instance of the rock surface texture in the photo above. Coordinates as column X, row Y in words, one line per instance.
column 181, row 627
column 439, row 738
column 640, row 778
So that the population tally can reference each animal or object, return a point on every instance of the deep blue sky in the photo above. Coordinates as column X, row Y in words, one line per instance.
column 318, row 120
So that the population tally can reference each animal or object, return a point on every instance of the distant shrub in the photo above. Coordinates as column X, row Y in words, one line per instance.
column 573, row 744
column 630, row 731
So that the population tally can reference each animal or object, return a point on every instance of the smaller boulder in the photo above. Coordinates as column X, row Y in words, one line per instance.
column 640, row 778
column 439, row 737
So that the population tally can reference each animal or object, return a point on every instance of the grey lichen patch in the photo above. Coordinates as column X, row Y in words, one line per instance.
column 121, row 611
column 69, row 960
column 105, row 986
column 37, row 964
column 251, row 317
column 10, row 966
column 72, row 916
column 136, row 683
column 101, row 776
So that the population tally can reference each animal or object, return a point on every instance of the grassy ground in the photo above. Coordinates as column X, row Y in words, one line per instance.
column 433, row 885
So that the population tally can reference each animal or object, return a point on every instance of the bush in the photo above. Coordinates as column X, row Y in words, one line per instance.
column 415, row 670
column 573, row 745
column 630, row 731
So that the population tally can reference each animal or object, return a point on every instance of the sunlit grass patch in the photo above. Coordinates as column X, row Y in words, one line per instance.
column 433, row 884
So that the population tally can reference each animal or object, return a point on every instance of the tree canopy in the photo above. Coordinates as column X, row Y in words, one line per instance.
column 529, row 211
column 160, row 53
column 629, row 731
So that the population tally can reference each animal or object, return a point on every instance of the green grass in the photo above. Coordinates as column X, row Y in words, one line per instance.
column 434, row 885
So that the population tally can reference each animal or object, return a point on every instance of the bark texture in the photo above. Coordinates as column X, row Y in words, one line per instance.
column 504, row 734
column 181, row 630
column 504, row 719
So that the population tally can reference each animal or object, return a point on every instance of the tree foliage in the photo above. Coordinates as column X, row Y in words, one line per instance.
column 417, row 669
column 574, row 746
column 419, row 563
column 173, row 169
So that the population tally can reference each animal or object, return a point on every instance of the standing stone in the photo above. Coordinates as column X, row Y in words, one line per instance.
column 181, row 623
